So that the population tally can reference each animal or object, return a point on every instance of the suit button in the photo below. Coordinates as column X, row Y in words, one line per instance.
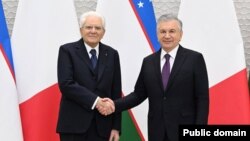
column 164, row 98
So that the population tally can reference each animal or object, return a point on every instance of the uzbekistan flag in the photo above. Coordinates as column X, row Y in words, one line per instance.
column 10, row 123
column 40, row 27
column 211, row 27
column 131, row 29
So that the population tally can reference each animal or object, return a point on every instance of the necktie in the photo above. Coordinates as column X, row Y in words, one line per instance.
column 166, row 71
column 93, row 58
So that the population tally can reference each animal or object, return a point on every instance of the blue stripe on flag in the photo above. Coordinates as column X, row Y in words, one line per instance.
column 145, row 11
column 4, row 38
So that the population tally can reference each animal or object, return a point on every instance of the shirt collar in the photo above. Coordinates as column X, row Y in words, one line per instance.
column 172, row 53
column 89, row 48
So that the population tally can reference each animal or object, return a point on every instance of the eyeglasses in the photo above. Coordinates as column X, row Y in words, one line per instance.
column 98, row 28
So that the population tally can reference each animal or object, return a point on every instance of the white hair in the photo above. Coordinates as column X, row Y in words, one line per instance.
column 84, row 16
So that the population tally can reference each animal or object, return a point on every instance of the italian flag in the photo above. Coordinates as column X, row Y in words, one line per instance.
column 40, row 27
column 211, row 27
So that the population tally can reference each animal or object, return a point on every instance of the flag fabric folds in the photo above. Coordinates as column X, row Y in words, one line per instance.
column 211, row 27
column 10, row 123
column 40, row 27
column 131, row 29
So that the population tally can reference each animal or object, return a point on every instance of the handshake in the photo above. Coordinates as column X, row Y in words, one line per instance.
column 105, row 106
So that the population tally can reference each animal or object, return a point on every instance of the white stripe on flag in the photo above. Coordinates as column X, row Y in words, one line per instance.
column 211, row 27
column 41, row 26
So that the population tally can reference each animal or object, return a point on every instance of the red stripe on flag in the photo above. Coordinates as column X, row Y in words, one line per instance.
column 142, row 26
column 7, row 61
column 229, row 101
column 39, row 115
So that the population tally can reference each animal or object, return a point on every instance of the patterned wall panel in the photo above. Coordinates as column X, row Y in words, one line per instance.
column 161, row 6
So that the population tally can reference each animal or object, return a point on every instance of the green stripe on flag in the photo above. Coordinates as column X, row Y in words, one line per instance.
column 129, row 132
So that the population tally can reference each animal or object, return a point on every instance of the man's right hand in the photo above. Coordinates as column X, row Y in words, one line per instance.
column 105, row 106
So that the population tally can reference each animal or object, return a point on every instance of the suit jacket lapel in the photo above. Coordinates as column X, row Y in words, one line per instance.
column 102, row 59
column 81, row 51
column 157, row 67
column 180, row 58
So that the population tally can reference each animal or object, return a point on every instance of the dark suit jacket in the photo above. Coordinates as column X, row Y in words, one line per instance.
column 80, row 85
column 185, row 100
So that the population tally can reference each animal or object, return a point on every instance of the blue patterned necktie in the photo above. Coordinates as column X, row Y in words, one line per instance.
column 166, row 71
column 93, row 58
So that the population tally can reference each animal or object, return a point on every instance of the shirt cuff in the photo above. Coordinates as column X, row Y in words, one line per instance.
column 93, row 106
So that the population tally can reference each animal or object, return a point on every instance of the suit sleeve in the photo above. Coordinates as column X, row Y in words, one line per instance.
column 68, row 86
column 201, row 91
column 117, row 91
column 136, row 97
